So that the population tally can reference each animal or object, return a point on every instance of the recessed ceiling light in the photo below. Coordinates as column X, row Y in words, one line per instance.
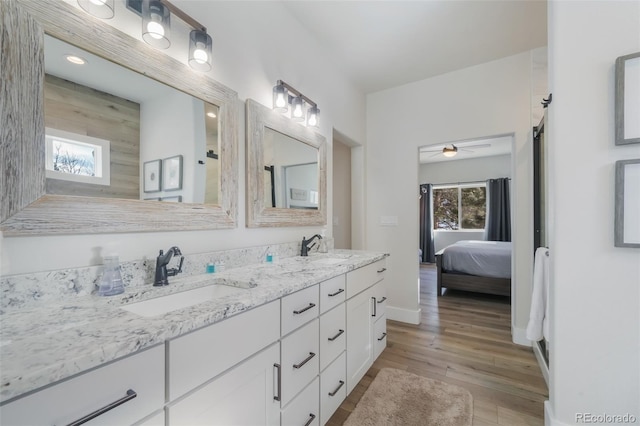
column 211, row 114
column 77, row 60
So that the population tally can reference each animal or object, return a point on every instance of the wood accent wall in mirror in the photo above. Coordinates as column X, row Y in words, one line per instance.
column 34, row 205
column 286, row 171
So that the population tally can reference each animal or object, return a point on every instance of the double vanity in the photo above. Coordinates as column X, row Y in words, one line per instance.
column 267, row 343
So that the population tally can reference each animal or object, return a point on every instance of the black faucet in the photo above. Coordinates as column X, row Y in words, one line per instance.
column 304, row 249
column 162, row 273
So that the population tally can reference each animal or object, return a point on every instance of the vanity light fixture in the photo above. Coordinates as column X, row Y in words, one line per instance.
column 282, row 99
column 99, row 8
column 200, row 50
column 156, row 23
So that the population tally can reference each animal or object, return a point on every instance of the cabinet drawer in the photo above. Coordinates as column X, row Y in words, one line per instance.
column 333, row 340
column 299, row 308
column 332, row 292
column 199, row 356
column 379, row 336
column 363, row 278
column 333, row 387
column 300, row 360
column 243, row 395
column 75, row 398
column 304, row 410
column 380, row 295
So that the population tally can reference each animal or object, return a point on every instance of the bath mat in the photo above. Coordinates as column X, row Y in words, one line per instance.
column 396, row 397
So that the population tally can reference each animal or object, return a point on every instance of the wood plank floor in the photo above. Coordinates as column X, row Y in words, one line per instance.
column 464, row 339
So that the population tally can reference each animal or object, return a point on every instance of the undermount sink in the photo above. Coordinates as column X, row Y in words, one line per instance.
column 184, row 299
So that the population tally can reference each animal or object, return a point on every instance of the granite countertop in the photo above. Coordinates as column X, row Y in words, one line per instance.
column 41, row 345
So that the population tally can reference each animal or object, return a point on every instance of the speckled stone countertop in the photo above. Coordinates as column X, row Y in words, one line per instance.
column 42, row 344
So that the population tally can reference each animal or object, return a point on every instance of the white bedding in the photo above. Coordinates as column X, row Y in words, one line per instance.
column 481, row 258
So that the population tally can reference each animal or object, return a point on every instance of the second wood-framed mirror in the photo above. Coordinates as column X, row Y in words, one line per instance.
column 286, row 171
column 31, row 204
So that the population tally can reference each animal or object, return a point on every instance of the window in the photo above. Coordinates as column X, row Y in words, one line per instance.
column 459, row 207
column 77, row 158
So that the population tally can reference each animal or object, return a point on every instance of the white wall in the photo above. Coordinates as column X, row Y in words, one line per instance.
column 595, row 287
column 468, row 170
column 486, row 100
column 341, row 195
column 255, row 44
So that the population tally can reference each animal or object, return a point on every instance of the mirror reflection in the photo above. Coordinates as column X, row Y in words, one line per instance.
column 291, row 172
column 114, row 133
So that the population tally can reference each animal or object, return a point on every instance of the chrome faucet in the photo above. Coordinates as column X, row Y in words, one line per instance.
column 163, row 259
column 304, row 249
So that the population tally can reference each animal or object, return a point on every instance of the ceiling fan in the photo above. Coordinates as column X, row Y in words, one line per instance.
column 452, row 150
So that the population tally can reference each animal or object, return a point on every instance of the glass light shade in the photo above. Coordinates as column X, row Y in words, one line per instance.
column 297, row 108
column 156, row 24
column 280, row 98
column 313, row 116
column 200, row 50
column 99, row 8
column 449, row 152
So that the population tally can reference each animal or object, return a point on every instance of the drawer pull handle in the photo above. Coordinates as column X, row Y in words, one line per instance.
column 383, row 336
column 381, row 270
column 278, row 397
column 306, row 360
column 337, row 389
column 336, row 293
column 382, row 300
column 311, row 419
column 311, row 305
column 375, row 307
column 130, row 395
column 331, row 339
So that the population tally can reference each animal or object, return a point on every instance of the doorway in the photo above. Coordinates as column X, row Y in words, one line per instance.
column 341, row 195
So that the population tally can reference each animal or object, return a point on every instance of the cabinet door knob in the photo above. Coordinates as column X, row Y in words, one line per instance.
column 299, row 311
column 128, row 397
column 304, row 361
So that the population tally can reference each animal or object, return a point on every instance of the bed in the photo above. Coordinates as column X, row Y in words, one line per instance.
column 477, row 266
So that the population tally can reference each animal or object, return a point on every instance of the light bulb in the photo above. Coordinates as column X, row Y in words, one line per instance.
column 280, row 101
column 75, row 60
column 200, row 55
column 297, row 112
column 312, row 120
column 155, row 29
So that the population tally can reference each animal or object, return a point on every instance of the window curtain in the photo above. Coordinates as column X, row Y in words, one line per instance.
column 498, row 221
column 426, row 223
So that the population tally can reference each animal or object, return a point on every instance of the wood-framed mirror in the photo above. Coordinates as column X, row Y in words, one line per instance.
column 30, row 203
column 286, row 171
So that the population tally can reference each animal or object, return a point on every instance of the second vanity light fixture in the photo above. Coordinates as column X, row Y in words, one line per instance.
column 282, row 100
column 156, row 26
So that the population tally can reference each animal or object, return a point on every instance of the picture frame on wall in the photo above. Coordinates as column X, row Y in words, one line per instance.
column 627, row 102
column 152, row 176
column 172, row 173
column 627, row 204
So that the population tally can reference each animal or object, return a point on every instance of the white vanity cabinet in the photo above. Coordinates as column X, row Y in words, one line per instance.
column 73, row 399
column 364, row 287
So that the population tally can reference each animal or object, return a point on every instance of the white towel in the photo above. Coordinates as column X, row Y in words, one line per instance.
column 538, row 326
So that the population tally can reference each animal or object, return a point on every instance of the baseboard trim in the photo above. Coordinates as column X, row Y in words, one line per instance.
column 544, row 368
column 549, row 418
column 519, row 336
column 403, row 315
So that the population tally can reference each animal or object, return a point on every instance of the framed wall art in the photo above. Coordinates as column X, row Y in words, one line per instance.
column 152, row 171
column 172, row 173
column 627, row 204
column 627, row 104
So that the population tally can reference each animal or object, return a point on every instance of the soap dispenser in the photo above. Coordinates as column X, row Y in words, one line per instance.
column 111, row 282
column 322, row 248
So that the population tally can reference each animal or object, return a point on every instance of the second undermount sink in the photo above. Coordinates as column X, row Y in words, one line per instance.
column 184, row 299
